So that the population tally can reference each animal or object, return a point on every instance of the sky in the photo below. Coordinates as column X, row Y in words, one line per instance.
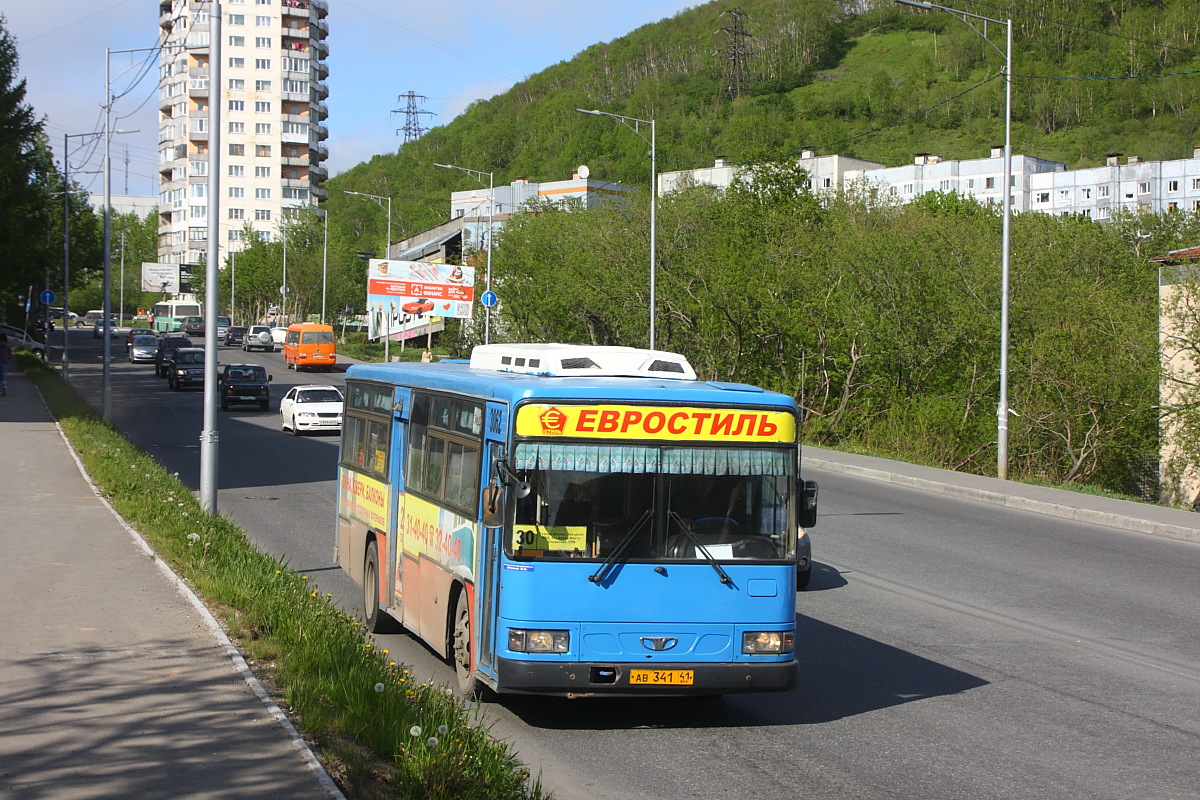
column 451, row 53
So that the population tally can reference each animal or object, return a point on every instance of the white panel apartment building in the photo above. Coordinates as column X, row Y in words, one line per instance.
column 1036, row 184
column 272, row 117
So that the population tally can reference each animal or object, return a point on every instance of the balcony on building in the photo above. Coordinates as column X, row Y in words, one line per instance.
column 319, row 152
column 320, row 70
column 295, row 8
column 319, row 91
column 319, row 131
column 318, row 111
column 320, row 49
column 320, row 29
column 318, row 174
column 166, row 19
column 321, row 7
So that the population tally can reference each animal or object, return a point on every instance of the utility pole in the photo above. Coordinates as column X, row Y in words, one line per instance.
column 737, row 52
column 412, row 116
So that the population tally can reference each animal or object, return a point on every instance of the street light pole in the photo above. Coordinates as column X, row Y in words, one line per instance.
column 1002, row 410
column 653, row 191
column 387, row 254
column 478, row 176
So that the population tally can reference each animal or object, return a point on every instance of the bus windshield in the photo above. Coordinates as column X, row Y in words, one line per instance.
column 686, row 503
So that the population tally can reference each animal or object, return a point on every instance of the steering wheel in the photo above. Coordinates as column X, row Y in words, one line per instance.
column 716, row 524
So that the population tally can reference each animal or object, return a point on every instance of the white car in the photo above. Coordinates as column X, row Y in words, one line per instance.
column 258, row 337
column 315, row 407
column 142, row 349
column 19, row 338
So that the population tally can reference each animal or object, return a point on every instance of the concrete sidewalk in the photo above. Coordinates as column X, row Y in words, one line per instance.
column 113, row 682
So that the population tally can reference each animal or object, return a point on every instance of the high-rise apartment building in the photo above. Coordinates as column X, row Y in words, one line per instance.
column 272, row 118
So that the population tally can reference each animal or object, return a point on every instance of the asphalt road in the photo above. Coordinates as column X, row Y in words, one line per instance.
column 948, row 649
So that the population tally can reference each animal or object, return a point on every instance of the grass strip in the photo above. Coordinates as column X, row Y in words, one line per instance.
column 379, row 731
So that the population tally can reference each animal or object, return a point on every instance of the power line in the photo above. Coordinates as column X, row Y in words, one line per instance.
column 412, row 116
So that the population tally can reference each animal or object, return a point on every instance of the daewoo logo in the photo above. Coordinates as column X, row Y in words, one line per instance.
column 553, row 421
column 659, row 642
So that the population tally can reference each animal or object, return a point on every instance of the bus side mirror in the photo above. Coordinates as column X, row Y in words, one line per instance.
column 520, row 488
column 493, row 507
column 808, row 504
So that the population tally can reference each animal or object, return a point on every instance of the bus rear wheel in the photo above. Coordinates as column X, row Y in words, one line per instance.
column 468, row 686
column 376, row 619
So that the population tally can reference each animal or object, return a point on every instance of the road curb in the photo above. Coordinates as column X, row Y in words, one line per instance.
column 1165, row 530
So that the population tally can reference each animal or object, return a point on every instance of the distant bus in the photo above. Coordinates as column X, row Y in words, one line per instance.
column 571, row 520
column 168, row 315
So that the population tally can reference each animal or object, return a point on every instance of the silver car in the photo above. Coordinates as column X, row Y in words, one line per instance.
column 142, row 349
column 19, row 338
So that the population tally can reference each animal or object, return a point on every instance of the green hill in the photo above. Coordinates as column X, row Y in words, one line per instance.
column 869, row 79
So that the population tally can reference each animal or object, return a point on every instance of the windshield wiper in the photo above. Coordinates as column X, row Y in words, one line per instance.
column 687, row 531
column 626, row 540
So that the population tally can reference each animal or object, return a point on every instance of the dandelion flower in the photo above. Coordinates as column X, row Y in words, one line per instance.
column 415, row 730
column 431, row 741
column 392, row 664
column 442, row 729
column 379, row 687
column 193, row 537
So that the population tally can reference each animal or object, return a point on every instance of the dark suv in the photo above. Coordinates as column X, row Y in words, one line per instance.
column 186, row 368
column 166, row 349
column 244, row 383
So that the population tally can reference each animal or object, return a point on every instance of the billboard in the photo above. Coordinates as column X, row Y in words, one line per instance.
column 160, row 278
column 404, row 294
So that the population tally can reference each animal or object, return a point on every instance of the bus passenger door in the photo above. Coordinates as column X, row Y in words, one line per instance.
column 495, row 436
column 394, row 571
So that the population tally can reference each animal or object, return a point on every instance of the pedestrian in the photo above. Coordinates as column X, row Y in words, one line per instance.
column 6, row 355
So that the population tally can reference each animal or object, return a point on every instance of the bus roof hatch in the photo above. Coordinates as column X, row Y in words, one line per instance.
column 581, row 360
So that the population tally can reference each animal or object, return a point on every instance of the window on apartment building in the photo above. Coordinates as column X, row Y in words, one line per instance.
column 237, row 191
column 1087, row 194
column 237, row 19
column 237, row 213
column 197, row 212
column 237, row 84
column 1102, row 213
column 1102, row 191
column 1064, row 195
column 262, row 86
column 262, row 127
column 990, row 183
column 237, row 127
column 237, row 63
column 262, row 150
column 198, row 169
column 198, row 191
column 1196, row 183
column 298, row 87
column 1144, row 187
column 237, row 41
column 827, row 183
column 198, row 234
column 237, row 171
column 290, row 64
column 295, row 194
column 970, row 183
column 200, row 125
column 908, row 188
column 262, row 41
column 262, row 106
column 295, row 127
column 1043, row 197
column 1087, row 212
column 262, row 194
column 235, row 236
column 237, row 105
column 892, row 191
column 944, row 186
column 263, row 21
column 264, row 2
column 262, row 214
column 262, row 63
column 1172, row 186
column 262, row 172
column 1196, row 205
column 1172, row 206
column 237, row 149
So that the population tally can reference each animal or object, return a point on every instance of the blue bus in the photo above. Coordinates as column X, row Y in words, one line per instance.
column 572, row 520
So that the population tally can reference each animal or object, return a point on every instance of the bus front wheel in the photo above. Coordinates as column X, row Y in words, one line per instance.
column 468, row 686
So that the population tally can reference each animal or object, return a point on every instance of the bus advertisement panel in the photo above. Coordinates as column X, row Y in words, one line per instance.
column 560, row 529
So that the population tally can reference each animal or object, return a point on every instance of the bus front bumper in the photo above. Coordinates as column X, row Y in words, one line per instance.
column 581, row 679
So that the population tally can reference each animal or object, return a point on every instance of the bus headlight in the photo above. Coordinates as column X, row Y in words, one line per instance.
column 526, row 641
column 767, row 643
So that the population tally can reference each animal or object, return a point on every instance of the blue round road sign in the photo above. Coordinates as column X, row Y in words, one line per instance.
column 47, row 297
column 489, row 299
